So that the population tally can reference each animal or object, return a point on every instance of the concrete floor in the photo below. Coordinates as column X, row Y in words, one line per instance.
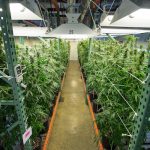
column 73, row 126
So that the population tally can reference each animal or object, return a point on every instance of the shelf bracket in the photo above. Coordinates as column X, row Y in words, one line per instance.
column 7, row 102
column 5, row 77
column 14, row 125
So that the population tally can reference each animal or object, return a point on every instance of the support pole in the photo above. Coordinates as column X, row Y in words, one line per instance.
column 7, row 34
column 90, row 47
column 143, row 117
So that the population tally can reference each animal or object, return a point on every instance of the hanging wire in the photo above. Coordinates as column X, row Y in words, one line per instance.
column 124, row 125
column 121, row 95
column 131, row 74
column 147, row 78
column 41, row 12
column 113, row 63
column 97, row 5
column 130, row 135
column 142, row 82
column 92, row 16
column 111, row 7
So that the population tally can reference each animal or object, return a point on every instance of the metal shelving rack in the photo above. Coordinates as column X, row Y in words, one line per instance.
column 18, row 101
column 143, row 116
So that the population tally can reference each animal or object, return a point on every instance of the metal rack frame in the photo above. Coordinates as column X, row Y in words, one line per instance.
column 9, row 44
column 143, row 116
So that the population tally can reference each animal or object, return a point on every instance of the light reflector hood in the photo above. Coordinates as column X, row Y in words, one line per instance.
column 106, row 19
column 72, row 29
column 132, row 13
column 25, row 10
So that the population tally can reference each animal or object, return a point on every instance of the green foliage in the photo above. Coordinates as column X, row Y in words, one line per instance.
column 115, row 71
column 83, row 50
column 43, row 67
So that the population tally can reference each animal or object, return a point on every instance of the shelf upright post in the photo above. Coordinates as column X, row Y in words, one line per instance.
column 58, row 48
column 90, row 47
column 9, row 45
column 143, row 117
column 58, row 44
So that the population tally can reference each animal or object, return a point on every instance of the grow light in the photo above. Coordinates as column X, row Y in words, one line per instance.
column 122, row 31
column 25, row 11
column 106, row 19
column 72, row 29
column 30, row 31
column 132, row 13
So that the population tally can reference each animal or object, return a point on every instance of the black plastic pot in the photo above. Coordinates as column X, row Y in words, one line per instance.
column 106, row 144
column 62, row 76
column 85, row 78
column 54, row 101
column 93, row 96
column 1, row 147
column 37, row 144
column 51, row 111
column 96, row 107
column 46, row 125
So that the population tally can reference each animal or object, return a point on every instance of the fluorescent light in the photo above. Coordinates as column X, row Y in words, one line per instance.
column 21, row 12
column 122, row 31
column 132, row 14
column 30, row 31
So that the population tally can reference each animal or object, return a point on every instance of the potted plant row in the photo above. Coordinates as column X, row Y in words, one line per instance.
column 43, row 67
column 115, row 74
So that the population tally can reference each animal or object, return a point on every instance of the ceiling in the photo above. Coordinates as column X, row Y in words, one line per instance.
column 54, row 11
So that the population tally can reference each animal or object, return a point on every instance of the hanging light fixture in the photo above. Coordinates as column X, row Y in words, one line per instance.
column 132, row 13
column 106, row 19
column 72, row 29
column 24, row 10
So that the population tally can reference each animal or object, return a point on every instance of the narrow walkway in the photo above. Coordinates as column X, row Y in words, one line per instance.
column 73, row 127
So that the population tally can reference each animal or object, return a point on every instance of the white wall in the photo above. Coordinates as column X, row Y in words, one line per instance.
column 73, row 50
column 27, row 41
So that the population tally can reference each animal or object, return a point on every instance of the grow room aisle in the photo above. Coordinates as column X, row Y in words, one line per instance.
column 73, row 126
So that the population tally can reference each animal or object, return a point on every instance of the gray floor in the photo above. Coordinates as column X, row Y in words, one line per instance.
column 73, row 126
